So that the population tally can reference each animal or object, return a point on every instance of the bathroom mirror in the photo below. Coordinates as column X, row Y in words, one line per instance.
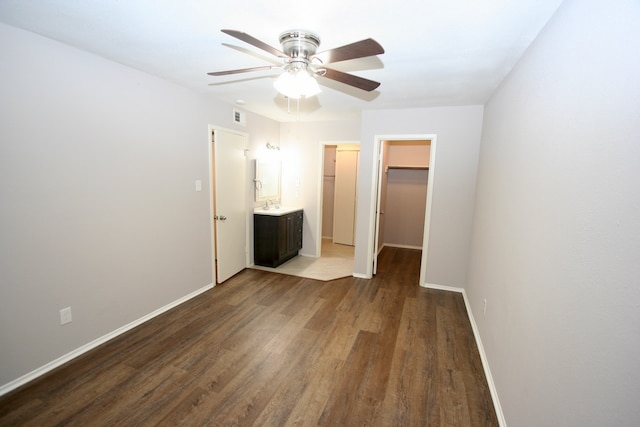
column 267, row 180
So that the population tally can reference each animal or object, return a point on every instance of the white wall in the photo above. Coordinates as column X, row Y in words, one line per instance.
column 302, row 169
column 404, row 207
column 458, row 131
column 556, row 236
column 98, row 208
column 408, row 153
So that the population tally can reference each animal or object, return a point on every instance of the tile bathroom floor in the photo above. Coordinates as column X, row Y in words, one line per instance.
column 335, row 262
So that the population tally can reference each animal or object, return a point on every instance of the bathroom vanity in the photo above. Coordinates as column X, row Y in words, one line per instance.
column 277, row 235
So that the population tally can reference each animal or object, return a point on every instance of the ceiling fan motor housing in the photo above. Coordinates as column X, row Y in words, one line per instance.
column 299, row 45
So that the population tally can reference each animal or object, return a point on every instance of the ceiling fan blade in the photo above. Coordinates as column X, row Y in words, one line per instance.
column 243, row 70
column 255, row 42
column 349, row 79
column 361, row 49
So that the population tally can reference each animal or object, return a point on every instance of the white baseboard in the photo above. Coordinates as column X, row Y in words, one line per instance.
column 6, row 388
column 393, row 245
column 361, row 276
column 442, row 287
column 483, row 356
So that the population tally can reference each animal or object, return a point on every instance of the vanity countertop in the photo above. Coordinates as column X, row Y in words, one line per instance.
column 273, row 211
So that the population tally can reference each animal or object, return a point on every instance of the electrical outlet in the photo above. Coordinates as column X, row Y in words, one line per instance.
column 484, row 307
column 65, row 316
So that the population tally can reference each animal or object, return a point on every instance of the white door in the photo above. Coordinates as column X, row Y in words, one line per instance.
column 345, row 200
column 229, row 203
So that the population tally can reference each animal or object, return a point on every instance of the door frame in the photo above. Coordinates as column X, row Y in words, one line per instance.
column 372, row 253
column 212, row 199
column 320, row 200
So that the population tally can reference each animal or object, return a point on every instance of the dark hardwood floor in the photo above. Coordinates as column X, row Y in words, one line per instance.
column 270, row 350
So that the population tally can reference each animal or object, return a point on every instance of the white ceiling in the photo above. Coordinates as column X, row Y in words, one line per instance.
column 437, row 52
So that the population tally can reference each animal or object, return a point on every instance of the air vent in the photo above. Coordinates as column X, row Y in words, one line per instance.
column 239, row 117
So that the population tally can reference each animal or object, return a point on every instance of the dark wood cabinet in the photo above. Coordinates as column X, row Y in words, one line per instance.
column 276, row 238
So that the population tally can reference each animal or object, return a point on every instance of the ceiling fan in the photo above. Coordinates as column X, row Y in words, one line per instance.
column 302, row 64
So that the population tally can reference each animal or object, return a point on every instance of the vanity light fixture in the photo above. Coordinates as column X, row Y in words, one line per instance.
column 272, row 147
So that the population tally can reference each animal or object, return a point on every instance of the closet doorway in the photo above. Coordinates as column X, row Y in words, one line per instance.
column 405, row 175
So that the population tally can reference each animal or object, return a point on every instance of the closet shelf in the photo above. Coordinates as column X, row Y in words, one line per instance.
column 406, row 167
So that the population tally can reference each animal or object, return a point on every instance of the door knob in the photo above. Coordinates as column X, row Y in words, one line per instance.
column 221, row 217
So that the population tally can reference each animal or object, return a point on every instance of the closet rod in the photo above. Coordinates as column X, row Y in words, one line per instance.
column 407, row 168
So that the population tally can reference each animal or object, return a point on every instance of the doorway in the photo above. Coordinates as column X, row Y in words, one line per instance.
column 327, row 193
column 228, row 202
column 411, row 168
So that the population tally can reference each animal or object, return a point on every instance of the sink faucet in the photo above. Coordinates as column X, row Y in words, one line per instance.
column 266, row 204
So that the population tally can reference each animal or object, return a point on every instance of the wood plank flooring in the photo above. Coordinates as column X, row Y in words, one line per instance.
column 267, row 349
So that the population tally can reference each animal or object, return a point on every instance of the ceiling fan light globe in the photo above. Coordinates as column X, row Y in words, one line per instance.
column 285, row 84
column 308, row 85
column 296, row 84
